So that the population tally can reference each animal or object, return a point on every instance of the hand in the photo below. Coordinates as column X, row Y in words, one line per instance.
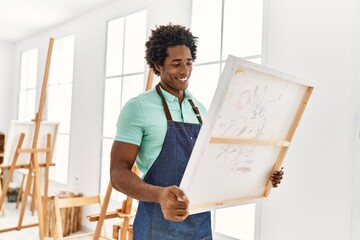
column 276, row 177
column 174, row 204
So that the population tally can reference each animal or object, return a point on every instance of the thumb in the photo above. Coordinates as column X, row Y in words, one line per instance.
column 180, row 194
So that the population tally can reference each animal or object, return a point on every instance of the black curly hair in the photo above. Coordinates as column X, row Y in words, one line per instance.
column 165, row 36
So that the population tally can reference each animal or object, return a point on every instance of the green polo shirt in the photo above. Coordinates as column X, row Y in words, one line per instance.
column 142, row 121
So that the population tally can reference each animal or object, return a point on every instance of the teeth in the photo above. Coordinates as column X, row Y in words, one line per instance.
column 182, row 79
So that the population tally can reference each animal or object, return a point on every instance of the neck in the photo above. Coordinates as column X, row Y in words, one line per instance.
column 177, row 93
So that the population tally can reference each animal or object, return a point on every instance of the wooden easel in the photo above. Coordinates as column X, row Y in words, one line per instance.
column 33, row 165
column 2, row 209
column 125, row 212
column 2, row 150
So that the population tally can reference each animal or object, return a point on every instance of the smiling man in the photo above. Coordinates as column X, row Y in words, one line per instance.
column 158, row 130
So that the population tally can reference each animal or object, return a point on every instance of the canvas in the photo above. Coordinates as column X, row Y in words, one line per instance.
column 27, row 127
column 245, row 136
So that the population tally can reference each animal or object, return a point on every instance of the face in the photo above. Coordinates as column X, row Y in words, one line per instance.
column 175, row 74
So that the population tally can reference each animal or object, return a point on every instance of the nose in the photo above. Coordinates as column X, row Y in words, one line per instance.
column 185, row 69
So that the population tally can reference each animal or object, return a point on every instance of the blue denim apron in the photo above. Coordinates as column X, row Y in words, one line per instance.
column 168, row 170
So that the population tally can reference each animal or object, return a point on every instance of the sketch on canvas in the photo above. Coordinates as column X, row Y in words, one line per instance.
column 18, row 127
column 245, row 136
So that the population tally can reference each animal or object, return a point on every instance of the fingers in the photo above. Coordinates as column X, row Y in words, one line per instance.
column 276, row 177
column 179, row 216
column 174, row 204
column 180, row 195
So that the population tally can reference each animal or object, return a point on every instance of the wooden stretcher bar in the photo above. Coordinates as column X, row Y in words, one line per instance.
column 225, row 202
column 272, row 142
column 17, row 228
column 7, row 167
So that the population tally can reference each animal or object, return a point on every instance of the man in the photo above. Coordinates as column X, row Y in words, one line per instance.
column 158, row 129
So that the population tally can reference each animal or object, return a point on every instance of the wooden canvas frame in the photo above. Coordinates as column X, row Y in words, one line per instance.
column 247, row 132
column 21, row 153
column 28, row 128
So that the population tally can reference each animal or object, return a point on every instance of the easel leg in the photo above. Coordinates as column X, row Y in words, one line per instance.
column 131, row 233
column 25, row 195
column 2, row 207
column 20, row 191
column 32, row 205
column 46, row 180
column 38, row 197
column 124, row 228
column 104, row 207
column 11, row 171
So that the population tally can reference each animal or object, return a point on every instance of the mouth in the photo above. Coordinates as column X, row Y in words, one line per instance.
column 183, row 79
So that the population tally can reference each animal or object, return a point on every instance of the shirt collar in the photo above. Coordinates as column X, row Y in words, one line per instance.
column 171, row 98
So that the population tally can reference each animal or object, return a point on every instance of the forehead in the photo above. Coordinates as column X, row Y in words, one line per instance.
column 179, row 52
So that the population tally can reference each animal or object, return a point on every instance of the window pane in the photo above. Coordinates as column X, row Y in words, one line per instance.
column 28, row 80
column 67, row 59
column 105, row 171
column 105, row 167
column 206, row 24
column 242, row 28
column 62, row 61
column 60, row 157
column 237, row 32
column 27, row 105
column 125, row 64
column 112, row 103
column 135, row 32
column 29, row 62
column 228, row 221
column 59, row 99
column 54, row 71
column 206, row 75
column 132, row 86
column 59, row 106
column 114, row 48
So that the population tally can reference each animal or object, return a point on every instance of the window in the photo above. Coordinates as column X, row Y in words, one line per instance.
column 28, row 78
column 125, row 65
column 226, row 27
column 59, row 96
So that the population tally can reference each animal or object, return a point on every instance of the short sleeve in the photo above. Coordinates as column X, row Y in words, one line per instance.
column 131, row 123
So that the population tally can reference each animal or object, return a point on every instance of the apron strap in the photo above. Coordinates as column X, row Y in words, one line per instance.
column 166, row 108
column 167, row 111
column 196, row 111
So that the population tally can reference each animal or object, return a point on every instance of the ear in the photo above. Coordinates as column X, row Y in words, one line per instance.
column 157, row 67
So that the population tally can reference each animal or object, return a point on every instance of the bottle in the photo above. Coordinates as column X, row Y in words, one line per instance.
column 76, row 185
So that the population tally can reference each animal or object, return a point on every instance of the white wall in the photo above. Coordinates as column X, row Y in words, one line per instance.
column 6, row 80
column 316, row 40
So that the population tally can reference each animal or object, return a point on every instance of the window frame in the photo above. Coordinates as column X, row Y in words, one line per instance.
column 117, row 196
column 221, row 62
column 25, row 114
column 60, row 133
